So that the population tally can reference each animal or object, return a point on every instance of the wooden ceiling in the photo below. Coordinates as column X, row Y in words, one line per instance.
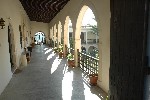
column 43, row 10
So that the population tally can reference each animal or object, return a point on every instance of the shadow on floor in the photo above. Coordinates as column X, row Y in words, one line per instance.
column 49, row 78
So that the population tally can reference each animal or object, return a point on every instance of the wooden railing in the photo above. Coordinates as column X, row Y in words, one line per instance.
column 87, row 63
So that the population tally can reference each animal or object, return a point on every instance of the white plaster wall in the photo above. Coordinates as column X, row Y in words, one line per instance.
column 101, row 10
column 39, row 26
column 91, row 36
column 5, row 68
column 10, row 9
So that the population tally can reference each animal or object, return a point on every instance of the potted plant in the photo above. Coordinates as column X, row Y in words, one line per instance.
column 70, row 58
column 60, row 51
column 107, row 98
column 61, row 54
column 55, row 49
column 93, row 79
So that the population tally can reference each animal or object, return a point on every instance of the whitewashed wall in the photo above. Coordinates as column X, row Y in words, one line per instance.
column 39, row 26
column 13, row 13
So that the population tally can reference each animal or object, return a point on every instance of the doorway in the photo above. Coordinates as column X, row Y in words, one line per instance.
column 39, row 38
column 11, row 47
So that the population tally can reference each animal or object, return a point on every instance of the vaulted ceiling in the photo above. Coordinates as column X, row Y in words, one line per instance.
column 43, row 10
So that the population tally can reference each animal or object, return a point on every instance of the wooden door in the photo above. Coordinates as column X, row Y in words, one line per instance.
column 127, row 49
column 10, row 47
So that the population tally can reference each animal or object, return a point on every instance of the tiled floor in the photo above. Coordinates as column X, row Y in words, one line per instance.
column 49, row 78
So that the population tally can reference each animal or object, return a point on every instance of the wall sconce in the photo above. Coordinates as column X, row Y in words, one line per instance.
column 2, row 23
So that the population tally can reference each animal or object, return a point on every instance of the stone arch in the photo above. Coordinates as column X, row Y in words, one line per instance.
column 81, row 14
column 104, row 49
column 101, row 10
column 54, row 34
column 59, row 32
column 83, row 8
column 66, row 30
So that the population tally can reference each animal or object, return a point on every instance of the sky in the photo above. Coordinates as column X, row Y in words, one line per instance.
column 88, row 18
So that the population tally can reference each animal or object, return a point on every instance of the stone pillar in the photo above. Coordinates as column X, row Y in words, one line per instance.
column 54, row 36
column 77, row 46
column 96, row 37
column 77, row 43
column 66, row 33
column 86, row 37
column 59, row 33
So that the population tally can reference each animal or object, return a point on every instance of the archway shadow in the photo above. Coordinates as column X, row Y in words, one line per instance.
column 70, row 83
column 95, row 90
column 78, row 85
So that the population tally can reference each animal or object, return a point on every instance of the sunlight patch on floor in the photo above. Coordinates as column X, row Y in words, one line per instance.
column 55, row 65
column 88, row 94
column 67, row 85
column 65, row 69
column 45, row 48
column 49, row 50
column 50, row 56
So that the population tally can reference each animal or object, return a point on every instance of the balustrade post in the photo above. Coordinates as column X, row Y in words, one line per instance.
column 78, row 60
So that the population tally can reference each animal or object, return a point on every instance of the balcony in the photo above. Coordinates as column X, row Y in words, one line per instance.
column 48, row 77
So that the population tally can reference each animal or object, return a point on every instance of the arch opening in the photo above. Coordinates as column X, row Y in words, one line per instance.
column 39, row 38
column 86, row 42
column 70, row 35
column 89, row 33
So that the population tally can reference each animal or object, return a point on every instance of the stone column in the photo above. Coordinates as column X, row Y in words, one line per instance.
column 59, row 33
column 86, row 37
column 77, row 43
column 54, row 36
column 66, row 33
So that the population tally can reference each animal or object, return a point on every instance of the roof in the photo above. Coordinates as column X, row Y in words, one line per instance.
column 43, row 10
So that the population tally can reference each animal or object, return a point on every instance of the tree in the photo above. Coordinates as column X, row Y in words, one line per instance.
column 94, row 28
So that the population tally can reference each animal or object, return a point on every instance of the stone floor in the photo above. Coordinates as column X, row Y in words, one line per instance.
column 49, row 78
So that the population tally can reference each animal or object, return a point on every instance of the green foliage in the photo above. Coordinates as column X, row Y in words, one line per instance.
column 60, row 49
column 107, row 98
column 71, row 42
column 70, row 56
column 55, row 49
column 94, row 28
column 94, row 53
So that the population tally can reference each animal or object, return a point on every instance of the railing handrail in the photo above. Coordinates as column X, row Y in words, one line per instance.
column 70, row 48
column 89, row 56
column 87, row 63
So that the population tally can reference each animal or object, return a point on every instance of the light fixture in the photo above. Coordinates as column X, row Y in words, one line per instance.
column 2, row 23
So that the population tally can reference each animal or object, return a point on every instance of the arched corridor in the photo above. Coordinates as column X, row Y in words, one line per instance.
column 49, row 78
column 119, row 62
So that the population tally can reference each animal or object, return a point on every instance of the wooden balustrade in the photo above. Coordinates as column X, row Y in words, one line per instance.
column 87, row 63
